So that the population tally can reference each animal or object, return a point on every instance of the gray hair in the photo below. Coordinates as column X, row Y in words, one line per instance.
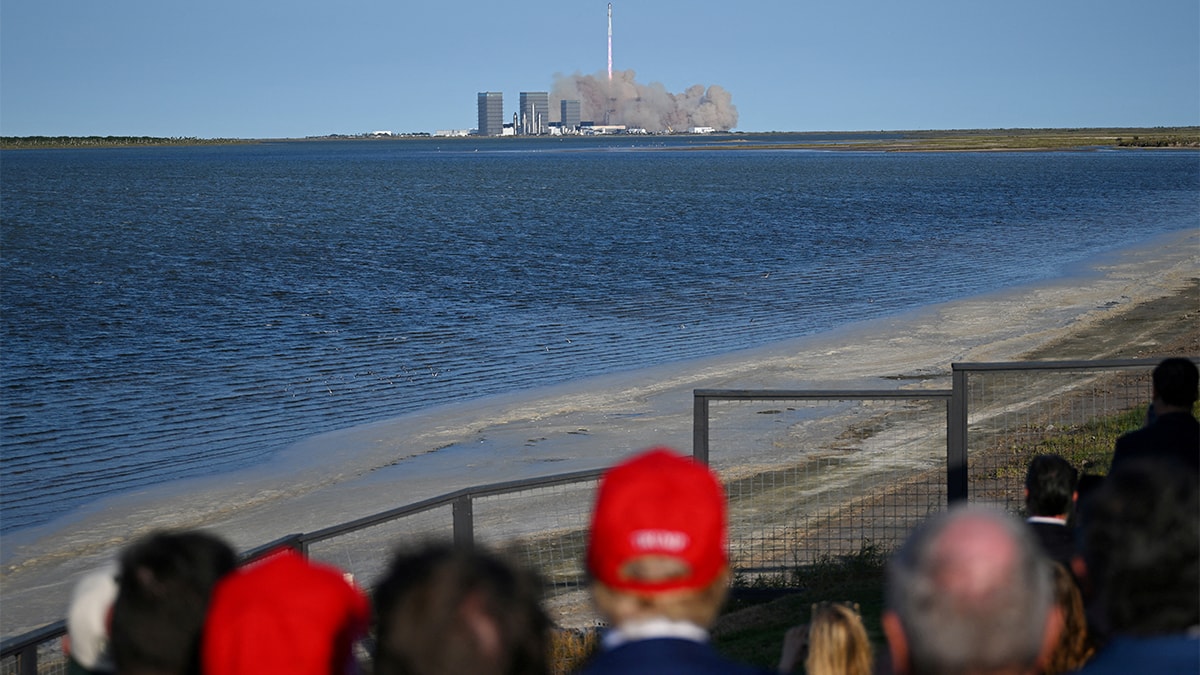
column 962, row 609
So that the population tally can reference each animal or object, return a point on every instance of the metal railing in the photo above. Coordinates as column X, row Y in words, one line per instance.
column 830, row 473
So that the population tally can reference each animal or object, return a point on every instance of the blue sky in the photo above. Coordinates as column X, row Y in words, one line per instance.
column 269, row 68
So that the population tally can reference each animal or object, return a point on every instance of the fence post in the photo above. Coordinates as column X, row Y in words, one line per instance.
column 956, row 438
column 464, row 522
column 700, row 427
column 28, row 659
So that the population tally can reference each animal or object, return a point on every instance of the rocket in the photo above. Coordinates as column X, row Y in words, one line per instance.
column 610, row 42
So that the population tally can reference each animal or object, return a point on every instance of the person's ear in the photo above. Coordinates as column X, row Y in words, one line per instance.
column 1079, row 570
column 897, row 643
column 481, row 625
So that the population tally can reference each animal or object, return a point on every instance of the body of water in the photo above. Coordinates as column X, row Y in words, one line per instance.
column 177, row 312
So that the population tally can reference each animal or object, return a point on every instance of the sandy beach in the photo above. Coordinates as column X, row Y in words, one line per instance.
column 1131, row 303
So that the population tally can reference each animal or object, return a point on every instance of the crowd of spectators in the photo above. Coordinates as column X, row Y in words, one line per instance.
column 1107, row 583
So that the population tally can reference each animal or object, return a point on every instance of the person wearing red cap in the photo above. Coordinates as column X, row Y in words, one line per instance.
column 284, row 614
column 659, row 567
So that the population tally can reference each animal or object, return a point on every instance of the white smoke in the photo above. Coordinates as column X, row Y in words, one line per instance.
column 649, row 106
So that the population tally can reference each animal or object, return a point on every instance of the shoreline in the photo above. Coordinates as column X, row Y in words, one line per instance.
column 585, row 424
column 982, row 140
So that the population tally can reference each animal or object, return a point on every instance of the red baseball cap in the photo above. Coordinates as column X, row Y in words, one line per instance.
column 658, row 504
column 283, row 614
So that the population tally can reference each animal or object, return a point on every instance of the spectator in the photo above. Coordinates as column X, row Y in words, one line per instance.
column 970, row 592
column 284, row 614
column 1049, row 496
column 1172, row 431
column 657, row 556
column 835, row 642
column 1074, row 644
column 88, row 617
column 1141, row 554
column 447, row 610
column 163, row 592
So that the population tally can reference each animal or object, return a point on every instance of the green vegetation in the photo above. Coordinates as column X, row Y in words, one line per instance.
column 1087, row 446
column 985, row 140
column 752, row 631
column 26, row 142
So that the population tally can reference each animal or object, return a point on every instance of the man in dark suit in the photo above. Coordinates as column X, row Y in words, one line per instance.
column 1049, row 496
column 1173, row 432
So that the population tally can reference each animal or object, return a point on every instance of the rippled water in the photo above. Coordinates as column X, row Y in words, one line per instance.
column 173, row 312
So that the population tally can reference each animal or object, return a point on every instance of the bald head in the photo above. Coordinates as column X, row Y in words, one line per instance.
column 974, row 558
column 971, row 594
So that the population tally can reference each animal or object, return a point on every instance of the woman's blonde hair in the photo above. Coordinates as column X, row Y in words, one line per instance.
column 1074, row 644
column 837, row 642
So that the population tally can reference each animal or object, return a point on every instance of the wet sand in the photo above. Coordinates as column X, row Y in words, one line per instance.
column 1126, row 304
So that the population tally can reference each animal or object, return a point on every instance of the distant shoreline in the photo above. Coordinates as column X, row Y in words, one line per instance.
column 930, row 140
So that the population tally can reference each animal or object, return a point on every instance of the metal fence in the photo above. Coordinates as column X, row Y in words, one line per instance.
column 812, row 475
column 1014, row 411
column 809, row 475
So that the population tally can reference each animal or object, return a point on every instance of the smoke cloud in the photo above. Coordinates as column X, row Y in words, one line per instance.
column 649, row 106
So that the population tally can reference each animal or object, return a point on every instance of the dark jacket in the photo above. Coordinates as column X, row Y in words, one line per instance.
column 665, row 656
column 1174, row 436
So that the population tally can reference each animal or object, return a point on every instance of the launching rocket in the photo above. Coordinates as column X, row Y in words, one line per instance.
column 610, row 42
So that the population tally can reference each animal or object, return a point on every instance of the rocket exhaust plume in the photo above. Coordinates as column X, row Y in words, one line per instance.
column 610, row 42
column 622, row 100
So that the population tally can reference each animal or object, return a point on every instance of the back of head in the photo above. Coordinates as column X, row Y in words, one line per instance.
column 657, row 540
column 837, row 642
column 1140, row 545
column 166, row 580
column 972, row 593
column 1050, row 481
column 1176, row 381
column 284, row 614
column 443, row 609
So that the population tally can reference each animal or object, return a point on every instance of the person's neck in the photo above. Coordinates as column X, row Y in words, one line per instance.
column 1161, row 409
column 657, row 627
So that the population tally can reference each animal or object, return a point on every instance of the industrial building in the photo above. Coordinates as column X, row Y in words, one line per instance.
column 534, row 113
column 491, row 113
column 569, row 115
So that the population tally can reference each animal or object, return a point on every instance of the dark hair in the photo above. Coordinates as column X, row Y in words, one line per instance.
column 1175, row 381
column 433, row 603
column 1051, row 482
column 163, row 589
column 1138, row 539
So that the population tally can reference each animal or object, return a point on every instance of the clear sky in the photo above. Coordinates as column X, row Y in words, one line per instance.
column 294, row 68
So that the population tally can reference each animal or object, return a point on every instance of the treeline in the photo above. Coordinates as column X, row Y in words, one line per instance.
column 1160, row 142
column 105, row 141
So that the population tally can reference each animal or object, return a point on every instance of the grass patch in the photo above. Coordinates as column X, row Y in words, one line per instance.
column 1087, row 446
column 751, row 629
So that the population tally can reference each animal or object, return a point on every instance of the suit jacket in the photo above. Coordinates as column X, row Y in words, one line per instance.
column 665, row 656
column 1174, row 435
column 1056, row 540
column 1161, row 655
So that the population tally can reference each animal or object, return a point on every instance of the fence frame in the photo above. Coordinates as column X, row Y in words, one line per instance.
column 956, row 444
